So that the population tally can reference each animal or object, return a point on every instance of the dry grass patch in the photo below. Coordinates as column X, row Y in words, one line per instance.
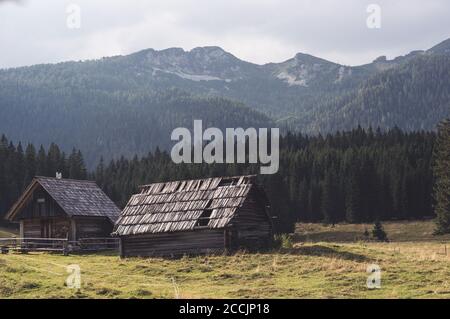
column 410, row 269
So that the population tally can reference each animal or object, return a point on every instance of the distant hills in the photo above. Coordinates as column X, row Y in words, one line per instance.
column 412, row 96
column 124, row 105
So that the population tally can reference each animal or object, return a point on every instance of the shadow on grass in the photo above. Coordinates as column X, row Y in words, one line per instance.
column 324, row 251
column 103, row 253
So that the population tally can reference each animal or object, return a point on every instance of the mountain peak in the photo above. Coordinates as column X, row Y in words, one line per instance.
column 209, row 53
column 301, row 55
column 213, row 52
column 442, row 48
column 174, row 50
column 208, row 49
column 303, row 58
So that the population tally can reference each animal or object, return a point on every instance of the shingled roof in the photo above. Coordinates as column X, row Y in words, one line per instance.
column 178, row 206
column 75, row 197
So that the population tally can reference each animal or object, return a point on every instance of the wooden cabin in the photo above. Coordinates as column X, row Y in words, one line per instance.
column 210, row 215
column 64, row 208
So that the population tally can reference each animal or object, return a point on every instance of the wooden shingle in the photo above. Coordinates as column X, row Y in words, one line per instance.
column 76, row 198
column 178, row 205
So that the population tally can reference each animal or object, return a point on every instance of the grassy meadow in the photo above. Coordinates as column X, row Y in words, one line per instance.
column 324, row 262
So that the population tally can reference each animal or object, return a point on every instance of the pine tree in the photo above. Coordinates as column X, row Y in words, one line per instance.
column 53, row 160
column 41, row 169
column 328, row 206
column 30, row 163
column 353, row 199
column 3, row 178
column 19, row 168
column 99, row 172
column 441, row 171
column 378, row 232
column 77, row 169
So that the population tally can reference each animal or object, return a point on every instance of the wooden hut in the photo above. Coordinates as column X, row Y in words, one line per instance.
column 63, row 208
column 195, row 216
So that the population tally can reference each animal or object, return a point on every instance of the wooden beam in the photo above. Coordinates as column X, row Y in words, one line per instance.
column 22, row 229
column 23, row 199
column 73, row 229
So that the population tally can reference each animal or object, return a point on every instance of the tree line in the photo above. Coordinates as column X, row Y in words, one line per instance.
column 19, row 164
column 112, row 124
column 355, row 176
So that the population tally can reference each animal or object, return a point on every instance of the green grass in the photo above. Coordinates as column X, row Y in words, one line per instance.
column 309, row 270
column 404, row 231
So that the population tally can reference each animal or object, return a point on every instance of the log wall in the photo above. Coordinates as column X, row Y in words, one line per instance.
column 58, row 227
column 201, row 241
column 251, row 228
column 92, row 227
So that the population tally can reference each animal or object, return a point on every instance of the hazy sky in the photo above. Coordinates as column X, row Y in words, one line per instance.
column 260, row 31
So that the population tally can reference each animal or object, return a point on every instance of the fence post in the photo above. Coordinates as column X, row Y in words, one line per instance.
column 121, row 252
column 23, row 246
column 65, row 248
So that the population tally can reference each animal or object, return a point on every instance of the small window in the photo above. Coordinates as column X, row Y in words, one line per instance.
column 203, row 220
column 41, row 200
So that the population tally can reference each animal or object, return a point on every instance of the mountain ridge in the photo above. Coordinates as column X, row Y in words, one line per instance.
column 305, row 93
column 442, row 47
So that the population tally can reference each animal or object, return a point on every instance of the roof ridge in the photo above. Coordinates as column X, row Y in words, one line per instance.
column 198, row 179
column 66, row 179
column 71, row 197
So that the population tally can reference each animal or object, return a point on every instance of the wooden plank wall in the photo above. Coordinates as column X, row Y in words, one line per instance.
column 60, row 228
column 251, row 227
column 93, row 227
column 177, row 243
column 33, row 209
column 32, row 228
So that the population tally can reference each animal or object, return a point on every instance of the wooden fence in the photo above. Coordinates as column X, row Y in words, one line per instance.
column 96, row 244
column 63, row 246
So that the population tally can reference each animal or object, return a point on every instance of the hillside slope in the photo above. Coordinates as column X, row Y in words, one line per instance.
column 126, row 105
column 112, row 125
column 413, row 96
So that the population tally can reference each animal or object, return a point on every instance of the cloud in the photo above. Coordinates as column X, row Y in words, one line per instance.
column 259, row 31
column 15, row 1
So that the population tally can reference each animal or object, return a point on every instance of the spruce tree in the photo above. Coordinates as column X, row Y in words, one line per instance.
column 378, row 232
column 328, row 202
column 441, row 172
column 353, row 199
column 41, row 162
column 30, row 163
column 77, row 169
column 53, row 160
